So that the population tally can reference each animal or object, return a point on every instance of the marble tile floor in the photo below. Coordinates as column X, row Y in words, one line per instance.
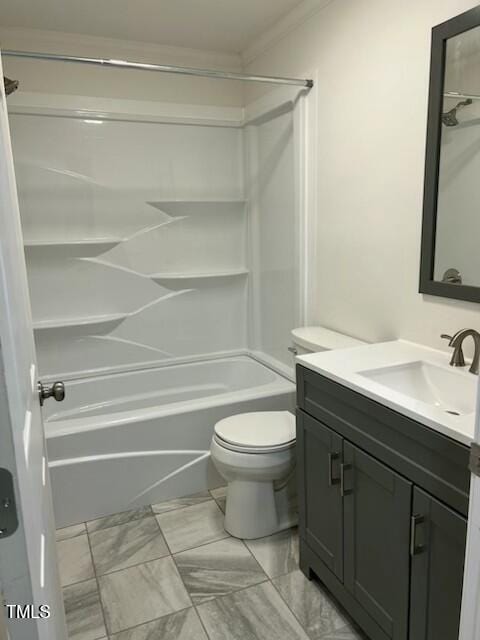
column 171, row 572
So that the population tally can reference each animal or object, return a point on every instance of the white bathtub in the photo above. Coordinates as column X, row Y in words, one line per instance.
column 136, row 438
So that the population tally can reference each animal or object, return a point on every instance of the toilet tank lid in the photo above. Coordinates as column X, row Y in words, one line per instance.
column 319, row 338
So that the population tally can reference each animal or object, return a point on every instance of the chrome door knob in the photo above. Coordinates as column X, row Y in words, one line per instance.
column 55, row 390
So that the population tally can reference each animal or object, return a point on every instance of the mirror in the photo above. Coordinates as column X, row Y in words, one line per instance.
column 450, row 261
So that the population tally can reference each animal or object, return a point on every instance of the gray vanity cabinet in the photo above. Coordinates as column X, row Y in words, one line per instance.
column 383, row 504
column 438, row 551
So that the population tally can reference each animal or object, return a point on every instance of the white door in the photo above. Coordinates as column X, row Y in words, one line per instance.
column 470, row 620
column 28, row 567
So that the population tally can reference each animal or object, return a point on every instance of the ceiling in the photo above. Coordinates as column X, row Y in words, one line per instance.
column 214, row 25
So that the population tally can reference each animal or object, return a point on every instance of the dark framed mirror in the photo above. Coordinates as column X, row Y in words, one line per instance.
column 450, row 258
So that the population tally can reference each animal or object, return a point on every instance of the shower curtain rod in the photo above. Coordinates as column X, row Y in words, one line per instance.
column 163, row 68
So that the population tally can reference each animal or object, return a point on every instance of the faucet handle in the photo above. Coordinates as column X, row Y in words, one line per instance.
column 445, row 336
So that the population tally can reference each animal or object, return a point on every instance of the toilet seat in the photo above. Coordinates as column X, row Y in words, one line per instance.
column 257, row 432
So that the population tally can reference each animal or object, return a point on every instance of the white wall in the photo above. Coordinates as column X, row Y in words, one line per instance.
column 78, row 79
column 373, row 59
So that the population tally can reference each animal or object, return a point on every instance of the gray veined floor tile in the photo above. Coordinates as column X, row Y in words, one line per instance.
column 74, row 560
column 220, row 496
column 179, row 503
column 277, row 554
column 83, row 611
column 128, row 544
column 183, row 625
column 256, row 613
column 217, row 569
column 71, row 532
column 347, row 633
column 317, row 612
column 142, row 594
column 118, row 518
column 192, row 526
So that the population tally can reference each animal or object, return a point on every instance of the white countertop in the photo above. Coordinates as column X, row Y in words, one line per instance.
column 344, row 366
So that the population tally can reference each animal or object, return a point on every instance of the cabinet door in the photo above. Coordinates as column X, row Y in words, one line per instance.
column 438, row 553
column 319, row 452
column 377, row 508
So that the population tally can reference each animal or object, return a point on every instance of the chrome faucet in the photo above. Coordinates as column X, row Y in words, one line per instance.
column 456, row 342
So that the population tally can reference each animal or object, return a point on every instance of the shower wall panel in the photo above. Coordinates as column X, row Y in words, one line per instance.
column 274, row 236
column 135, row 237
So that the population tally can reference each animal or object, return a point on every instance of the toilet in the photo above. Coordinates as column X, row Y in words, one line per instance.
column 255, row 454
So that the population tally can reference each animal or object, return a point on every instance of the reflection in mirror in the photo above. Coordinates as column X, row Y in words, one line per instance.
column 457, row 254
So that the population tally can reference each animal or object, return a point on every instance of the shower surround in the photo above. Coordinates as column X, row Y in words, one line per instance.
column 162, row 252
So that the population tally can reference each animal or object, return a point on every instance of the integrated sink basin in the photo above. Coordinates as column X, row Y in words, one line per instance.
column 410, row 378
column 452, row 391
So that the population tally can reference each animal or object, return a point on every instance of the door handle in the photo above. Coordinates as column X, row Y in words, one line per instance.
column 55, row 390
column 415, row 548
column 331, row 480
column 343, row 491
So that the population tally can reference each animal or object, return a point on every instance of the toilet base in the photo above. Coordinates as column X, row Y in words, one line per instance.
column 257, row 509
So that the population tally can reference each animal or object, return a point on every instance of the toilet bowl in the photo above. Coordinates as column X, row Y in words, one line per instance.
column 255, row 454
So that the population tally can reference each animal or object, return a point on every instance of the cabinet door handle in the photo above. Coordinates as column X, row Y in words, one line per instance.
column 343, row 491
column 331, row 479
column 415, row 548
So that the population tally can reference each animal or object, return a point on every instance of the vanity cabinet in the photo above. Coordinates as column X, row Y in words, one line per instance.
column 383, row 505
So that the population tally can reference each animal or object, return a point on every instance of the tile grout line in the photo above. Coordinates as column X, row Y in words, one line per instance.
column 110, row 526
column 183, row 506
column 109, row 573
column 265, row 579
column 288, row 606
column 325, row 595
column 141, row 624
column 201, row 622
column 147, row 515
column 168, row 555
column 176, row 553
column 100, row 599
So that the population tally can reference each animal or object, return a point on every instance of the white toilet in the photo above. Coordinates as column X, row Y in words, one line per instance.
column 255, row 454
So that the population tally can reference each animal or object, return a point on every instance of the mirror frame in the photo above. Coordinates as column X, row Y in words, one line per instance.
column 440, row 34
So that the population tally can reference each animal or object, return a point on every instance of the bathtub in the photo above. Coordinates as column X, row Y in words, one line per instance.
column 130, row 439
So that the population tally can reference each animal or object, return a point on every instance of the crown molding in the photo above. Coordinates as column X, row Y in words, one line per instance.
column 280, row 29
column 95, row 46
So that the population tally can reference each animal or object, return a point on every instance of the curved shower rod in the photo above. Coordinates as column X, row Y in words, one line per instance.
column 162, row 68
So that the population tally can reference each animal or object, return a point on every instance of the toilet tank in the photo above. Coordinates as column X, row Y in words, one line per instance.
column 315, row 339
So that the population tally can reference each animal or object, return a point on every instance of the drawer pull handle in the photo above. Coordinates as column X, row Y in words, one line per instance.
column 331, row 480
column 344, row 492
column 415, row 548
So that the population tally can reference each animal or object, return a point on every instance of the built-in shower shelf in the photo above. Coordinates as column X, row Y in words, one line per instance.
column 176, row 208
column 57, row 323
column 80, row 242
column 199, row 276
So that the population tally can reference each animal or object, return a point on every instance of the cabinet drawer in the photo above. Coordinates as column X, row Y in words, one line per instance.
column 432, row 461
